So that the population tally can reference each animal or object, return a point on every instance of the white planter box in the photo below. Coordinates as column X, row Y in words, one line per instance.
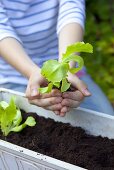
column 13, row 157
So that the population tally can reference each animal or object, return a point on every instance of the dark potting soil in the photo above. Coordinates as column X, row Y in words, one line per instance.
column 66, row 143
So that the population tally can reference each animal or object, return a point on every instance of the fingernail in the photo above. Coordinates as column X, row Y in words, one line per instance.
column 34, row 92
column 86, row 91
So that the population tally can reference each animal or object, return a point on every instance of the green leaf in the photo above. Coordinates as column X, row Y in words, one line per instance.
column 30, row 122
column 78, row 47
column 11, row 110
column 1, row 113
column 56, row 84
column 65, row 85
column 61, row 72
column 46, row 89
column 48, row 66
column 77, row 59
column 10, row 117
column 18, row 118
column 4, row 104
column 54, row 71
column 19, row 128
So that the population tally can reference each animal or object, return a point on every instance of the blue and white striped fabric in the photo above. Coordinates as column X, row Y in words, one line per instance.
column 36, row 24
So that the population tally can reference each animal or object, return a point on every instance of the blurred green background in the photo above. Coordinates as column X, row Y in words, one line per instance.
column 99, row 31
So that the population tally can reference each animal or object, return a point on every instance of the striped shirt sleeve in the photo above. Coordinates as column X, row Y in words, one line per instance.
column 71, row 11
column 6, row 29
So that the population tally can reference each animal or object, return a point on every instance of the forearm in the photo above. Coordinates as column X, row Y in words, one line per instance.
column 12, row 51
column 70, row 34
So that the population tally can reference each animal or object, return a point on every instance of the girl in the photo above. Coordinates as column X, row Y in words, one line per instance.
column 33, row 31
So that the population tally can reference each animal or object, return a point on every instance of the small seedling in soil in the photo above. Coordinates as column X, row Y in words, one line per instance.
column 11, row 118
column 56, row 72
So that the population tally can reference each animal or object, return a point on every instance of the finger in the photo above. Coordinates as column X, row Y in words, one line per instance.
column 33, row 91
column 56, row 112
column 76, row 95
column 65, row 109
column 62, row 114
column 28, row 94
column 79, row 84
column 46, row 102
column 62, row 111
column 70, row 103
column 54, row 108
column 54, row 93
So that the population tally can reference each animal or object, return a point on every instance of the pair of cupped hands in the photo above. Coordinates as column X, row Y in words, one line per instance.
column 59, row 103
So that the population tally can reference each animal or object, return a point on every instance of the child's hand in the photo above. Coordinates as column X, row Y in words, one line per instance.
column 72, row 99
column 56, row 101
column 50, row 101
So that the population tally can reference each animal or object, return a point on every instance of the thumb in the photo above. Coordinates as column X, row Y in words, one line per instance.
column 34, row 90
column 79, row 84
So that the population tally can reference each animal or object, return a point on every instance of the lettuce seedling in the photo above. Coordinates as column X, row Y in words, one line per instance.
column 10, row 118
column 56, row 72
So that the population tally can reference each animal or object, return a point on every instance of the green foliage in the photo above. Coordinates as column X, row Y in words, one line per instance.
column 99, row 32
column 10, row 118
column 56, row 72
